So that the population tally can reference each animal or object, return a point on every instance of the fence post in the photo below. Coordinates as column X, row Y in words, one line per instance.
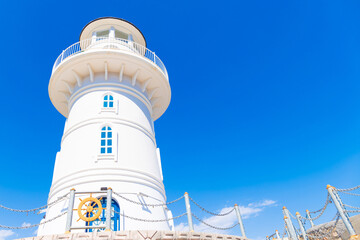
column 287, row 230
column 302, row 229
column 309, row 218
column 108, row 209
column 277, row 234
column 289, row 224
column 340, row 210
column 70, row 211
column 188, row 211
column 242, row 229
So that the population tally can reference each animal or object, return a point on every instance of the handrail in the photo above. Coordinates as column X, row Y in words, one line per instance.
column 109, row 43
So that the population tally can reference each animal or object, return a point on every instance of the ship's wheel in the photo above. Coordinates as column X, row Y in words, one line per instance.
column 89, row 209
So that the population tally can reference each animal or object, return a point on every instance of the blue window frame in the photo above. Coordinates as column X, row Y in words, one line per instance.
column 106, row 140
column 101, row 221
column 108, row 101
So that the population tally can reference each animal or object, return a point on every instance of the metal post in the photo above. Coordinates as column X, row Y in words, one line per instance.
column 302, row 229
column 93, row 37
column 289, row 224
column 287, row 231
column 108, row 209
column 188, row 211
column 290, row 231
column 340, row 210
column 309, row 217
column 62, row 55
column 242, row 229
column 70, row 211
column 277, row 234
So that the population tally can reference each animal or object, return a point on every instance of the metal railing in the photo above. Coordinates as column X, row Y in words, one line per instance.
column 120, row 44
column 92, row 213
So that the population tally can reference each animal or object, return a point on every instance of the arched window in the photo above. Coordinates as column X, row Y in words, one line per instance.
column 106, row 140
column 108, row 101
column 115, row 218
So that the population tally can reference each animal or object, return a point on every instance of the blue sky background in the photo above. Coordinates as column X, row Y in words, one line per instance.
column 265, row 101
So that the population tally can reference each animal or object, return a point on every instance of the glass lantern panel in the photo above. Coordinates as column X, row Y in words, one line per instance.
column 104, row 33
column 119, row 34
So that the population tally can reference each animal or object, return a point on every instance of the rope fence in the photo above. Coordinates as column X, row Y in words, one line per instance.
column 290, row 230
column 326, row 230
column 150, row 220
column 212, row 213
column 321, row 210
column 35, row 209
column 212, row 226
column 135, row 218
column 35, row 225
column 148, row 204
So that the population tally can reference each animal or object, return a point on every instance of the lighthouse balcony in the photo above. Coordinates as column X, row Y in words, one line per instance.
column 115, row 62
column 111, row 44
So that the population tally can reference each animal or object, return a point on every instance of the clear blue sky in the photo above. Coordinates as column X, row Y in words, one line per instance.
column 265, row 100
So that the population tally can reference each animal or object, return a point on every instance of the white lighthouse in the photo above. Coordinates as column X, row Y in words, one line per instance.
column 111, row 89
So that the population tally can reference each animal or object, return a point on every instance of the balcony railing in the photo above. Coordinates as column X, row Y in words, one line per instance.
column 113, row 44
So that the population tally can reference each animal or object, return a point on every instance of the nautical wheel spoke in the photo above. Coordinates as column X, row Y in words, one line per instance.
column 90, row 209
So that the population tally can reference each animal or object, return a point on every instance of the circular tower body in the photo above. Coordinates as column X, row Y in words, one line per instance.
column 111, row 89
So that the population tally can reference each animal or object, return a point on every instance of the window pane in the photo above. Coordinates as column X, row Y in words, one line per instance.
column 102, row 150
column 111, row 97
column 109, row 134
column 109, row 150
column 106, row 97
column 102, row 215
column 104, row 33
column 109, row 128
column 103, row 135
column 109, row 142
column 105, row 104
column 102, row 142
column 111, row 104
column 119, row 34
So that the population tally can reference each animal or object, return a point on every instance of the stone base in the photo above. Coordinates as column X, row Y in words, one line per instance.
column 340, row 232
column 138, row 235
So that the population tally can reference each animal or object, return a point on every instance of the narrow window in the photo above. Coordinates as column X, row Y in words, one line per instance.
column 108, row 101
column 106, row 140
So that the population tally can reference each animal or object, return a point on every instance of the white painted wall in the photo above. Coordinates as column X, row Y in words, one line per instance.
column 133, row 168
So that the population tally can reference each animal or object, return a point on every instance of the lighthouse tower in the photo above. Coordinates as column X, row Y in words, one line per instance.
column 111, row 89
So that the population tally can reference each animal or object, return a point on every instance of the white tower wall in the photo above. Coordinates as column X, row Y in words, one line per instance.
column 133, row 168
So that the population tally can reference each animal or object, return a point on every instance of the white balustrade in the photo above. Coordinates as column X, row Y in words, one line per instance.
column 112, row 44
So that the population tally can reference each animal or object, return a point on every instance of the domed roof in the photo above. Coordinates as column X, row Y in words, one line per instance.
column 104, row 23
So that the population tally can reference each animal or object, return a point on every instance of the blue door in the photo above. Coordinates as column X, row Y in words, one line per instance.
column 115, row 219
